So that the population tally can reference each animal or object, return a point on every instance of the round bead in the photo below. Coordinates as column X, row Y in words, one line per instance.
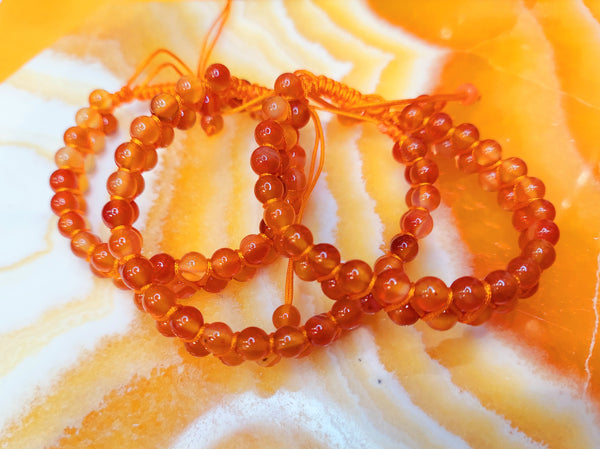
column 297, row 157
column 70, row 223
column 488, row 180
column 225, row 263
column 425, row 196
column 109, row 124
column 466, row 163
column 387, row 262
column 411, row 117
column 297, row 238
column 265, row 160
column 269, row 132
column 468, row 294
column 252, row 343
column 354, row 276
column 289, row 86
column 124, row 241
column 444, row 321
column 543, row 229
column 193, row 267
column 218, row 77
column 70, row 159
column 438, row 126
column 255, row 249
column 77, row 137
column 323, row 258
column 211, row 124
column 164, row 328
column 304, row 269
column 196, row 348
column 117, row 213
column 186, row 322
column 510, row 169
column 404, row 316
column 503, row 286
column 158, row 300
column 417, row 222
column 405, row 246
column 332, row 289
column 347, row 313
column 289, row 341
column 268, row 187
column 391, row 287
column 464, row 136
column 145, row 129
column 166, row 107
column 369, row 305
column 526, row 270
column 130, row 156
column 232, row 358
column 423, row 171
column 190, row 89
column 83, row 243
column 300, row 114
column 410, row 149
column 506, row 198
column 320, row 330
column 542, row 251
column 276, row 108
column 286, row 315
column 187, row 119
column 431, row 294
column 137, row 272
column 101, row 100
column 62, row 179
column 279, row 214
column 214, row 284
column 294, row 179
column 163, row 266
column 122, row 184
column 528, row 188
column 487, row 152
column 217, row 338
column 101, row 259
column 541, row 209
column 65, row 200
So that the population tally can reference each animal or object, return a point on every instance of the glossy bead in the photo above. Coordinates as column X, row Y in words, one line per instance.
column 268, row 187
column 83, row 243
column 265, row 160
column 333, row 289
column 506, row 198
column 423, row 171
column 70, row 223
column 150, row 160
column 347, row 313
column 405, row 246
column 211, row 103
column 163, row 268
column 166, row 107
column 354, row 276
column 186, row 322
column 158, row 300
column 443, row 148
column 481, row 317
column 488, row 180
column 211, row 124
column 294, row 179
column 186, row 118
column 225, row 263
column 323, row 258
column 503, row 286
column 70, row 158
column 289, row 86
column 289, row 341
column 122, row 184
column 196, row 348
column 65, row 200
column 145, row 129
column 183, row 290
column 213, row 284
column 101, row 258
column 297, row 238
column 430, row 294
column 417, row 222
column 510, row 169
column 232, row 358
column 245, row 274
column 218, row 77
column 124, row 241
column 137, row 272
column 269, row 132
column 541, row 251
column 297, row 157
column 541, row 209
column 411, row 117
column 164, row 328
column 528, row 292
column 190, row 89
column 63, row 179
column 276, row 108
column 487, row 152
column 252, row 343
column 438, row 126
column 464, row 136
column 77, row 137
column 543, row 229
column 304, row 269
column 217, row 338
column 278, row 214
column 96, row 140
column 192, row 266
column 109, row 124
column 320, row 330
column 300, row 114
column 425, row 196
column 525, row 270
column 409, row 150
column 468, row 294
column 369, row 305
column 391, row 287
column 101, row 100
column 404, row 315
column 130, row 156
column 387, row 262
column 466, row 163
column 528, row 188
column 117, row 213
column 286, row 315
column 255, row 248
column 444, row 321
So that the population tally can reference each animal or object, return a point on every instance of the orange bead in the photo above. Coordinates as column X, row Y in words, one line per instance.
column 186, row 322
column 417, row 222
column 124, row 241
column 468, row 294
column 542, row 251
column 77, row 137
column 482, row 316
column 510, row 169
column 289, row 341
column 166, row 107
column 488, row 180
column 65, row 200
column 286, row 315
column 333, row 289
column 245, row 274
column 391, row 287
column 63, row 179
column 411, row 117
column 196, row 348
column 70, row 223
column 425, row 196
column 109, row 124
column 89, row 118
column 167, row 135
column 297, row 238
column 217, row 338
column 541, row 209
column 289, row 86
column 268, row 187
column 300, row 114
column 145, row 129
column 297, row 157
column 545, row 230
column 466, row 163
column 387, row 262
column 117, row 212
column 347, row 313
column 404, row 316
column 423, row 171
column 218, row 77
column 294, row 179
column 405, row 246
column 279, row 214
column 323, row 258
column 354, row 276
column 487, row 152
column 444, row 321
column 211, row 124
column 321, row 330
column 213, row 284
column 269, row 132
column 464, row 136
column 193, row 267
column 163, row 266
column 529, row 188
column 265, row 160
column 190, row 89
column 252, row 343
column 130, row 156
column 290, row 136
column 101, row 259
column 70, row 158
column 158, row 300
column 276, row 108
column 101, row 100
column 122, row 184
column 430, row 294
column 369, row 305
column 526, row 270
column 137, row 272
column 506, row 198
column 304, row 269
column 503, row 285
column 83, row 243
column 226, row 263
column 438, row 126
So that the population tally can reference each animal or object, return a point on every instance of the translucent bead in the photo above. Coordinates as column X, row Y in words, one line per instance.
column 332, row 289
column 411, row 117
column 443, row 148
column 245, row 274
column 354, row 276
column 289, row 86
column 225, row 263
column 289, row 341
column 268, row 187
column 542, row 251
column 387, row 262
column 150, row 160
column 320, row 330
column 212, row 124
column 213, row 284
column 164, row 328
column 510, row 169
column 468, row 294
column 541, row 209
column 252, row 343
column 369, row 305
column 466, row 163
column 347, row 313
column 300, row 114
column 232, row 358
column 77, row 137
column 521, row 218
column 438, row 126
column 482, row 316
column 271, row 359
column 196, row 348
column 183, row 290
column 109, row 124
column 83, row 243
column 117, row 213
column 122, row 183
column 137, row 272
column 487, row 152
column 265, row 160
column 430, row 294
column 186, row 322
column 269, row 132
column 186, row 118
column 423, row 171
column 529, row 291
column 130, row 156
column 391, row 286
column 506, row 198
column 488, row 180
column 211, row 103
column 192, row 267
column 65, row 200
column 63, row 179
column 405, row 246
column 101, row 259
column 526, row 270
column 71, row 159
column 543, row 229
column 444, row 321
column 218, row 77
column 70, row 223
column 255, row 249
column 297, row 157
column 297, row 238
column 217, row 338
column 158, row 300
column 529, row 188
column 279, row 214
column 190, row 89
column 145, row 129
column 417, row 222
column 294, row 179
column 409, row 150
column 503, row 286
column 286, row 315
column 163, row 268
column 276, row 108
column 304, row 270
column 101, row 100
column 425, row 196
column 404, row 316
column 464, row 136
column 166, row 107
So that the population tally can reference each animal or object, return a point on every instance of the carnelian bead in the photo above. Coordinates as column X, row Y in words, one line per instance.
column 217, row 338
column 65, row 200
column 443, row 148
column 124, row 241
column 464, row 136
column 294, row 179
column 391, row 286
column 213, row 284
column 225, row 263
column 542, row 251
column 409, row 150
column 300, row 114
column 482, row 316
column 278, row 214
column 404, row 315
column 137, row 272
column 417, row 222
column 347, row 313
column 387, row 262
column 506, row 198
column 443, row 321
column 425, row 196
column 196, row 348
column 503, row 286
column 541, row 209
column 122, row 184
column 304, row 270
column 521, row 218
column 323, row 258
column 192, row 267
column 354, row 276
column 286, row 315
column 269, row 132
column 332, row 289
column 164, row 328
column 166, row 107
column 466, row 163
column 255, row 248
column 190, row 89
column 265, row 160
column 109, row 124
column 405, row 246
column 130, row 156
column 510, row 169
column 296, row 240
column 232, row 358
column 431, row 294
column 101, row 259
column 186, row 118
column 276, row 108
column 218, row 77
column 83, row 243
column 245, row 274
column 321, row 330
column 411, row 117
column 297, row 157
column 468, row 294
column 211, row 103
column 289, row 341
column 186, row 322
column 145, row 129
column 488, row 180
column 252, row 343
column 268, row 187
column 423, row 171
column 117, row 213
column 70, row 159
column 167, row 135
column 77, row 137
column 487, row 152
column 543, row 229
column 529, row 188
column 526, row 293
column 62, row 179
column 211, row 124
column 438, row 126
column 290, row 135
column 158, row 300
column 369, row 305
column 183, row 290
column 289, row 85
column 163, row 266
column 526, row 270
column 101, row 100
column 89, row 118
column 70, row 223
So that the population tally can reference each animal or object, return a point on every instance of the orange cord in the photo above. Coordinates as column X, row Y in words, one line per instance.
column 209, row 44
